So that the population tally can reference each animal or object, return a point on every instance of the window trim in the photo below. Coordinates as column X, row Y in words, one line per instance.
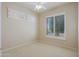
column 56, row 37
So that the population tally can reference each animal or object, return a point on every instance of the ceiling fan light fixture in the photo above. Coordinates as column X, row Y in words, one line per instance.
column 39, row 7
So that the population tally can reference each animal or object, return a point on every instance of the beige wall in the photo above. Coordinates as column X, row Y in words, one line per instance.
column 78, row 29
column 70, row 11
column 16, row 31
column 0, row 24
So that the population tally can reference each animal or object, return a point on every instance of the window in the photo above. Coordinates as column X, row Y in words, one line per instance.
column 56, row 26
column 50, row 25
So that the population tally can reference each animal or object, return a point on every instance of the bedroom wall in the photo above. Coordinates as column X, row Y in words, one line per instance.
column 18, row 31
column 0, row 28
column 0, row 22
column 78, row 29
column 70, row 11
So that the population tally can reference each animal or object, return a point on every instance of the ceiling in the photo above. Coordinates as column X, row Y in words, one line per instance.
column 48, row 5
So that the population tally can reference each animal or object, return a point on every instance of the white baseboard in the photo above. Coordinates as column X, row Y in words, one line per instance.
column 28, row 43
column 66, row 47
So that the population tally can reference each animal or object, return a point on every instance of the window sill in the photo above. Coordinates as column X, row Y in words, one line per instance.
column 55, row 37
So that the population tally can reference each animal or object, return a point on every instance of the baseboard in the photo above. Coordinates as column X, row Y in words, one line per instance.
column 28, row 43
column 70, row 48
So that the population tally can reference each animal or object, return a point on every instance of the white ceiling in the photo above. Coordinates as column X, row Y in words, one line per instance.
column 48, row 5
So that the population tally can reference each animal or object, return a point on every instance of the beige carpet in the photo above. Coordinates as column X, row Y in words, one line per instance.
column 39, row 50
